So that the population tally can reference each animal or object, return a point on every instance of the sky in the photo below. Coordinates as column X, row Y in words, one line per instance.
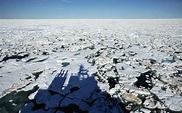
column 90, row 9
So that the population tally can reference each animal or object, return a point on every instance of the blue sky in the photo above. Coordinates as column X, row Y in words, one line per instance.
column 113, row 9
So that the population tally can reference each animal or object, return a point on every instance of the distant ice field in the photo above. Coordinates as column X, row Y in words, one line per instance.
column 139, row 61
column 36, row 36
column 33, row 37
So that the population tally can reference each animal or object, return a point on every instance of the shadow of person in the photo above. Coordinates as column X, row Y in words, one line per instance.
column 80, row 95
column 83, row 72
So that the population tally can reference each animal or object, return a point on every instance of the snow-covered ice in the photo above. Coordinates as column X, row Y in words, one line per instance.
column 137, row 61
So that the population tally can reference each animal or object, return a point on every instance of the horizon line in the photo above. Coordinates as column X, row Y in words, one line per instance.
column 81, row 18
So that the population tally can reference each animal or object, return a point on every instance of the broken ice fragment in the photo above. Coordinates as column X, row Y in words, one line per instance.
column 168, row 60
